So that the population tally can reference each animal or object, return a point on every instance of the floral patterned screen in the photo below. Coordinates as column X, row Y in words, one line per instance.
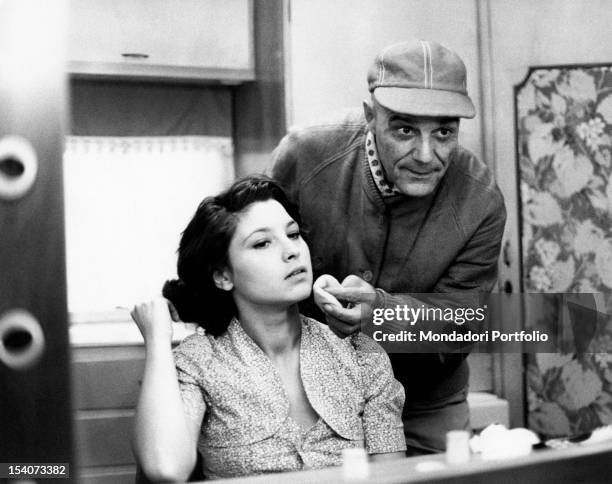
column 564, row 137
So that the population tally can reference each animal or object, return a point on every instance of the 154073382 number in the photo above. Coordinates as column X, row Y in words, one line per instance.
column 43, row 470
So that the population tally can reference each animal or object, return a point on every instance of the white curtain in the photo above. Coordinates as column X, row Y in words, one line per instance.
column 127, row 201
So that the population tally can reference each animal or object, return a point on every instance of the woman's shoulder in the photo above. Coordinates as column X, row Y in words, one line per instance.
column 358, row 345
column 194, row 352
column 358, row 341
column 371, row 357
column 358, row 357
column 322, row 332
column 363, row 344
column 196, row 341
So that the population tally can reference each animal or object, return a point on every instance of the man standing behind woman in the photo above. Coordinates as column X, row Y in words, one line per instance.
column 394, row 205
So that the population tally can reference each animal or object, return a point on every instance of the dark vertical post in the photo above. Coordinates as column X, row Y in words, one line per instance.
column 259, row 106
column 35, row 408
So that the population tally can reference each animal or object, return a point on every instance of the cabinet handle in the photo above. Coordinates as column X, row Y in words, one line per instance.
column 135, row 55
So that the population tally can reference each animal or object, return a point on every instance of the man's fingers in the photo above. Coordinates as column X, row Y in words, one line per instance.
column 352, row 295
column 351, row 316
column 340, row 328
column 352, row 281
column 344, row 294
column 325, row 281
column 323, row 297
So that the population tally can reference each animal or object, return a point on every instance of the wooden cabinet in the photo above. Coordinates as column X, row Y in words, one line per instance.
column 106, row 382
column 194, row 40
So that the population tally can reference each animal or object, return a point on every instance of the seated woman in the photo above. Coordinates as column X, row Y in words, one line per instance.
column 258, row 387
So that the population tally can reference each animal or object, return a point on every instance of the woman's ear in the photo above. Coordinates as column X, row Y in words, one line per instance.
column 223, row 280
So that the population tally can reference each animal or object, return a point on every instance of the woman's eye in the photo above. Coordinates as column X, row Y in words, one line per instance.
column 294, row 235
column 261, row 244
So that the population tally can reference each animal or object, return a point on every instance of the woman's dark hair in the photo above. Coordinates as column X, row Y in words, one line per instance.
column 203, row 249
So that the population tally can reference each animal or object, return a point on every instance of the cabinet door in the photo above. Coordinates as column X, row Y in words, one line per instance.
column 182, row 39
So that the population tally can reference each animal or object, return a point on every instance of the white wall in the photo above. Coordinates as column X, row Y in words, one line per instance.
column 333, row 43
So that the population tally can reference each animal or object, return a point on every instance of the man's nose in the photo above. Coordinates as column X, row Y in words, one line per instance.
column 424, row 151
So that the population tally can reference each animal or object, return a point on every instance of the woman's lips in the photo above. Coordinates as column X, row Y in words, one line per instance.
column 296, row 272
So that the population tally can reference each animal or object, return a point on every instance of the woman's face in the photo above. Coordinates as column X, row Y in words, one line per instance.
column 269, row 260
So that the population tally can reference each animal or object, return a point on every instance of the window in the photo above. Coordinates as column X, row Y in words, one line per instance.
column 126, row 202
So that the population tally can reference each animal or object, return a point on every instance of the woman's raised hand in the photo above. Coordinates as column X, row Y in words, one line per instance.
column 154, row 319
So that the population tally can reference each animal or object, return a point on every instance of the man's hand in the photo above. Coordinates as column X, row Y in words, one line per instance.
column 321, row 288
column 344, row 304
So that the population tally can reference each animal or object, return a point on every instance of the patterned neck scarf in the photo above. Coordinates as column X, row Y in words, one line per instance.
column 385, row 188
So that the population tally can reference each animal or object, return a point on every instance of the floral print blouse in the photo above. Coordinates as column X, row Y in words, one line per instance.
column 246, row 427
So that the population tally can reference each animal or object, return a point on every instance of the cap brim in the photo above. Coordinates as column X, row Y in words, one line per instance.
column 425, row 102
